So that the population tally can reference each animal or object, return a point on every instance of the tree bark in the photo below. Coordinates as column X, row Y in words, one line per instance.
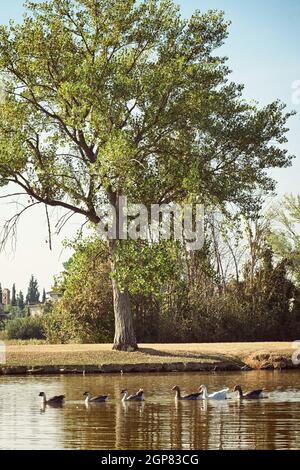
column 125, row 339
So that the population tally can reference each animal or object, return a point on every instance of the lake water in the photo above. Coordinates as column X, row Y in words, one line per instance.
column 159, row 423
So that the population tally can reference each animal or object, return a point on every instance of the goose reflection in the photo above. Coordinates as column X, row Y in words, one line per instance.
column 128, row 406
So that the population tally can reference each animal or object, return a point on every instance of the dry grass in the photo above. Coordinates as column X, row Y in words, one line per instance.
column 95, row 354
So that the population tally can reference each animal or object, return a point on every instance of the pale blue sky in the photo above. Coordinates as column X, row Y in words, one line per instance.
column 263, row 51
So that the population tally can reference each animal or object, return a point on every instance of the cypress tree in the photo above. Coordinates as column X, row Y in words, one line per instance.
column 33, row 295
column 44, row 297
column 20, row 300
column 13, row 296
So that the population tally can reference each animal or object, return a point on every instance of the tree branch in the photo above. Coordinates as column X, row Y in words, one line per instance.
column 9, row 229
column 49, row 227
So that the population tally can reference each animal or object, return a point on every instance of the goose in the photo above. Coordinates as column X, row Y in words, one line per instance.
column 57, row 400
column 254, row 394
column 192, row 396
column 220, row 395
column 138, row 396
column 97, row 399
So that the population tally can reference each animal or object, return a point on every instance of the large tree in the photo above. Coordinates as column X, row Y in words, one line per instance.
column 109, row 98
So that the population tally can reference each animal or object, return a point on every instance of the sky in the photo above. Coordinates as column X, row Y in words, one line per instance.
column 263, row 52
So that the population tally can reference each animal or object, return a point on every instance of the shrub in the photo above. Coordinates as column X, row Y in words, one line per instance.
column 25, row 328
column 85, row 312
column 61, row 328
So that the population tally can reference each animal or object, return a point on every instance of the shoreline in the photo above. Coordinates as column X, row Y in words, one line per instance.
column 119, row 368
column 44, row 359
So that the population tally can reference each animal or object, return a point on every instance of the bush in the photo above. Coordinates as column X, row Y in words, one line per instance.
column 61, row 328
column 25, row 328
column 85, row 312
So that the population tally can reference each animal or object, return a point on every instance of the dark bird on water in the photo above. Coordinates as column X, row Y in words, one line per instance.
column 192, row 396
column 56, row 400
column 138, row 396
column 96, row 399
column 254, row 394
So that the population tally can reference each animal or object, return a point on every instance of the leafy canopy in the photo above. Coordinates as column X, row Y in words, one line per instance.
column 110, row 97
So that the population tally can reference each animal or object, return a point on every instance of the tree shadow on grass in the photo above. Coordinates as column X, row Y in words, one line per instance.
column 203, row 357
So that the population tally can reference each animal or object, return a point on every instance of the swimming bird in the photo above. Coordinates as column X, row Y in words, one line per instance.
column 254, row 394
column 220, row 395
column 56, row 400
column 138, row 396
column 192, row 396
column 97, row 399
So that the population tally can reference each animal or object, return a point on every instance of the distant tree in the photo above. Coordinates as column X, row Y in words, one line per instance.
column 0, row 294
column 33, row 294
column 20, row 300
column 44, row 297
column 13, row 296
column 285, row 237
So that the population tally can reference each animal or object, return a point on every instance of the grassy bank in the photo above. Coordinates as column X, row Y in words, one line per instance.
column 77, row 357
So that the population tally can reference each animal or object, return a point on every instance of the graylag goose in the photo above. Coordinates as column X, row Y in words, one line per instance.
column 192, row 396
column 56, row 400
column 138, row 396
column 253, row 395
column 96, row 399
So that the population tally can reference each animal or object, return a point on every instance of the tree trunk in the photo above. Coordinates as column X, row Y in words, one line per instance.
column 125, row 339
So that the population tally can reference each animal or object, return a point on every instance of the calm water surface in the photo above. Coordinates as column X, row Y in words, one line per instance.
column 159, row 423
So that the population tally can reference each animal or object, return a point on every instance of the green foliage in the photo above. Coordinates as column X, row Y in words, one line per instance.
column 107, row 98
column 85, row 313
column 61, row 328
column 190, row 304
column 25, row 328
column 33, row 295
column 20, row 301
column 13, row 312
column 145, row 268
column 284, row 236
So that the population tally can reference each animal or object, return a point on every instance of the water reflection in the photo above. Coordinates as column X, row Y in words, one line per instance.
column 158, row 423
